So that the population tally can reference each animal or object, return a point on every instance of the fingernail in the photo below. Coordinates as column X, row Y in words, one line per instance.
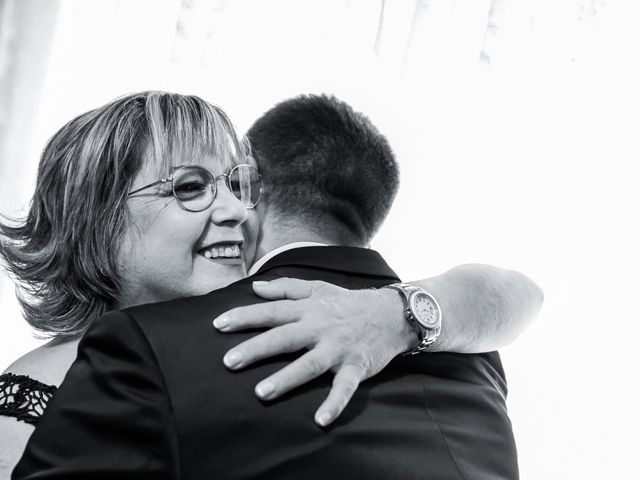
column 323, row 419
column 221, row 322
column 264, row 390
column 260, row 283
column 232, row 358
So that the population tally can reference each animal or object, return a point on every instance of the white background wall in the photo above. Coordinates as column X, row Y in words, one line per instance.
column 517, row 145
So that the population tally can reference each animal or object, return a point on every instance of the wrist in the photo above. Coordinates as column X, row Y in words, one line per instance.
column 393, row 307
column 422, row 312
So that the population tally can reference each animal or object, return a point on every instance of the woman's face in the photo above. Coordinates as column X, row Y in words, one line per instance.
column 168, row 252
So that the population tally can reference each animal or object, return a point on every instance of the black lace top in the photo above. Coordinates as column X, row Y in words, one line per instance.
column 23, row 397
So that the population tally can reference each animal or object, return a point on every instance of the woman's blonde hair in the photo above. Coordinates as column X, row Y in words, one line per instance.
column 64, row 254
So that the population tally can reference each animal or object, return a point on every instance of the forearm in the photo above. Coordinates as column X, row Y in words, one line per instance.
column 14, row 437
column 484, row 308
column 358, row 332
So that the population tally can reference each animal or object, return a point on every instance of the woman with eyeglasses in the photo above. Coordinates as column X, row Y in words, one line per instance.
column 142, row 200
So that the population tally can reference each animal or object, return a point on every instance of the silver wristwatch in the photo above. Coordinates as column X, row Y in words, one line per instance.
column 423, row 313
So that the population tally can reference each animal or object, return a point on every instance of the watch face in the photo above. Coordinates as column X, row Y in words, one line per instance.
column 425, row 309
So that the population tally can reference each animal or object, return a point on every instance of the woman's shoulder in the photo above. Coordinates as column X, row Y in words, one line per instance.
column 26, row 386
column 47, row 364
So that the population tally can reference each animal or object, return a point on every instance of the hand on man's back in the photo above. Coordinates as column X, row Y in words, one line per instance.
column 345, row 331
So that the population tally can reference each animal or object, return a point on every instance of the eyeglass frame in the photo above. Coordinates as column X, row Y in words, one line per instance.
column 213, row 185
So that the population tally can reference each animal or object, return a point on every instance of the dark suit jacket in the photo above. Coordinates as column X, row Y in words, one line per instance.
column 149, row 397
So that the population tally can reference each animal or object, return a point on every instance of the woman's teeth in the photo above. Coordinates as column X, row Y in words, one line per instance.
column 222, row 252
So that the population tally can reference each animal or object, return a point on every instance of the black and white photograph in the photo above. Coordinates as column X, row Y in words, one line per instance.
column 319, row 239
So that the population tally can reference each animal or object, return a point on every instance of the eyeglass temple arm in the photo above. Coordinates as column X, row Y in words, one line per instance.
column 164, row 180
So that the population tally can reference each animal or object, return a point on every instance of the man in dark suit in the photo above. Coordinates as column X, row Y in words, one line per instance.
column 148, row 396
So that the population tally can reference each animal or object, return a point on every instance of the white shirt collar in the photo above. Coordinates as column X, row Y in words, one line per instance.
column 289, row 246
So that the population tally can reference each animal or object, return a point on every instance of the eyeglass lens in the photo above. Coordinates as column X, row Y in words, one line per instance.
column 246, row 184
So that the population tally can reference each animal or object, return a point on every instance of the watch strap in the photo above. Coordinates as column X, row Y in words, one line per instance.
column 426, row 336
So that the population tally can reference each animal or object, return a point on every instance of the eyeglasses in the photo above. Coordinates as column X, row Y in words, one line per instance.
column 194, row 187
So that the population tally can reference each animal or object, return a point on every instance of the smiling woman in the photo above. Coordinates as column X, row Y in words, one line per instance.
column 86, row 245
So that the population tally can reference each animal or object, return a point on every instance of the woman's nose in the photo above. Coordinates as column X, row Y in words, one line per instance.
column 227, row 209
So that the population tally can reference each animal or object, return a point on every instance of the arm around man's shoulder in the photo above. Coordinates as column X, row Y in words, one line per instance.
column 111, row 417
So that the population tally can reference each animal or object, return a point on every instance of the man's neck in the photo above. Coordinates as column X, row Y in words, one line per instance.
column 273, row 238
column 277, row 251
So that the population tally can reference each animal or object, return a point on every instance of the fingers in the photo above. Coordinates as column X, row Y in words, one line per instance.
column 284, row 339
column 309, row 366
column 275, row 313
column 291, row 288
column 269, row 314
column 345, row 383
column 328, row 321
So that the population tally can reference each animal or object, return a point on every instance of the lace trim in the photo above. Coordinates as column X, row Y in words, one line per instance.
column 23, row 397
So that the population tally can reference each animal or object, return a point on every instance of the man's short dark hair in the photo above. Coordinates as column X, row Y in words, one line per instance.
column 326, row 167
